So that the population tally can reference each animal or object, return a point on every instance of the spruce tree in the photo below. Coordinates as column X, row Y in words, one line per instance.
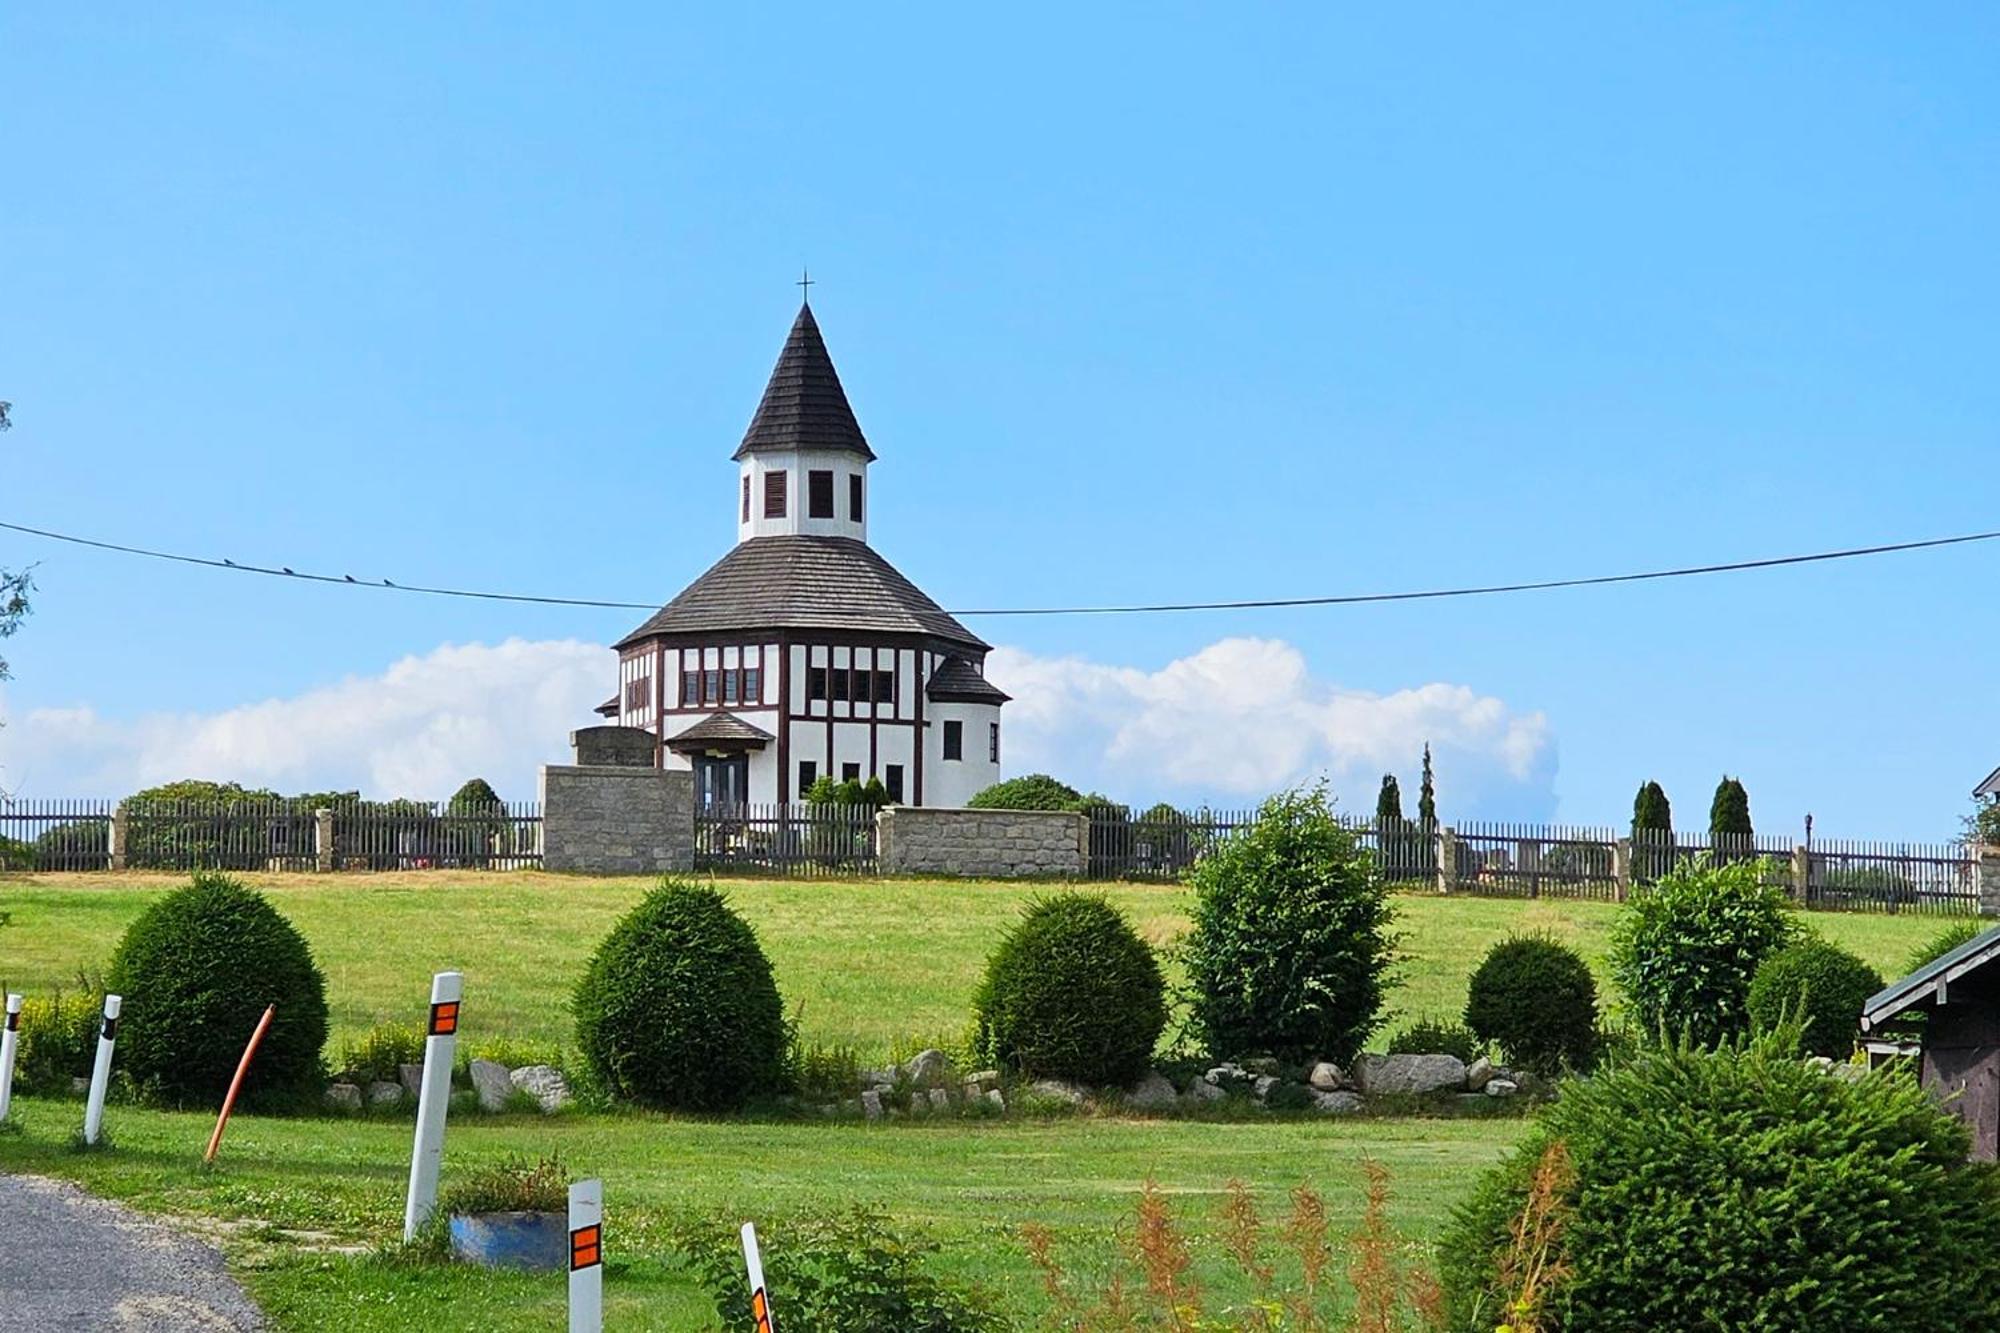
column 1652, row 831
column 1729, row 820
column 1427, row 805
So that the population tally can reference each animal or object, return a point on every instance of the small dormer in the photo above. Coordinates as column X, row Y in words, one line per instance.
column 802, row 469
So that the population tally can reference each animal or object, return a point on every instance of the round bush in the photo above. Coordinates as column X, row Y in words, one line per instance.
column 196, row 970
column 1818, row 986
column 1032, row 791
column 678, row 1008
column 1684, row 948
column 1735, row 1189
column 1289, row 952
column 1072, row 992
column 1535, row 999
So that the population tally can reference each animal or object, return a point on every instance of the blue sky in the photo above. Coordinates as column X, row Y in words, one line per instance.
column 1133, row 302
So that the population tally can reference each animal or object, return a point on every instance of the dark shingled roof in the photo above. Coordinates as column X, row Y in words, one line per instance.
column 608, row 708
column 957, row 681
column 816, row 583
column 1930, row 983
column 804, row 406
column 721, row 729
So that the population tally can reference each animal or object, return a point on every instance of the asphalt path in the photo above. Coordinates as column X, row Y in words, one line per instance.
column 69, row 1261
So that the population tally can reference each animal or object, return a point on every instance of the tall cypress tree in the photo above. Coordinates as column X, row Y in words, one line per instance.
column 1393, row 842
column 1389, row 802
column 1729, row 820
column 1652, row 831
column 1427, row 803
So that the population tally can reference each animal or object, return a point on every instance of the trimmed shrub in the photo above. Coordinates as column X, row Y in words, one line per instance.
column 678, row 1008
column 1684, row 949
column 1733, row 1189
column 1033, row 791
column 1428, row 1036
column 1289, row 951
column 1962, row 931
column 1818, row 986
column 1729, row 827
column 1072, row 992
column 197, row 969
column 477, row 796
column 1534, row 998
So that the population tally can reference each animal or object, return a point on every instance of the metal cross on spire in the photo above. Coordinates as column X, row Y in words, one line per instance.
column 805, row 286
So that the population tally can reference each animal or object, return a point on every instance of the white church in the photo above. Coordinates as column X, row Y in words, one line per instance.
column 803, row 652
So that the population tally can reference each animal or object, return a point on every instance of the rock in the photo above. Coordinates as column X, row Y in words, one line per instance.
column 1326, row 1077
column 545, row 1083
column 1336, row 1103
column 919, row 1105
column 412, row 1078
column 1153, row 1093
column 1056, row 1090
column 1258, row 1064
column 384, row 1094
column 1409, row 1075
column 490, row 1081
column 871, row 1105
column 926, row 1068
column 878, row 1078
column 1823, row 1063
column 78, row 1086
column 343, row 1096
column 981, row 1081
column 1227, row 1072
column 1262, row 1087
column 940, row 1099
column 1480, row 1074
column 1501, row 1087
column 995, row 1100
column 1201, row 1090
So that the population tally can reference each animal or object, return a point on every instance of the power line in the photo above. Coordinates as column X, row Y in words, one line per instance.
column 1250, row 604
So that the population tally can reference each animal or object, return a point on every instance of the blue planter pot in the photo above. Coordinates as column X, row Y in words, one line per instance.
column 538, row 1242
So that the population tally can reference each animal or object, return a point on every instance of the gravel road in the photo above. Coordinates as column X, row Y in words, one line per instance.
column 69, row 1261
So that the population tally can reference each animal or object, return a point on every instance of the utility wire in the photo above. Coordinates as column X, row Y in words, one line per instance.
column 1348, row 599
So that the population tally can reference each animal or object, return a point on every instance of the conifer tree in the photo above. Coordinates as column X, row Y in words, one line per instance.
column 1389, row 802
column 1427, row 806
column 1652, row 831
column 1729, row 820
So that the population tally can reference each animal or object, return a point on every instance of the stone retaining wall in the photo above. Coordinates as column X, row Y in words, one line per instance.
column 983, row 844
column 607, row 820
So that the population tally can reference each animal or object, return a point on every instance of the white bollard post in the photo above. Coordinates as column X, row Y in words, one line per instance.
column 100, row 1073
column 586, row 1257
column 433, row 1100
column 760, row 1300
column 10, row 1036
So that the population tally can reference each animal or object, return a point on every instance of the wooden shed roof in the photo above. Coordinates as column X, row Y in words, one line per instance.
column 1931, row 983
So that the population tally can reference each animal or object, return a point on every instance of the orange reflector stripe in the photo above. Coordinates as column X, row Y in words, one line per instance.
column 585, row 1247
column 760, row 1310
column 444, row 1018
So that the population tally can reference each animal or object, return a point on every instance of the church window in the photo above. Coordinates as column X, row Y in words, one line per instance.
column 819, row 494
column 854, row 496
column 892, row 778
column 850, row 772
column 746, row 497
column 839, row 684
column 954, row 740
column 774, row 495
column 816, row 682
column 885, row 687
column 711, row 689
column 808, row 770
column 636, row 691
column 690, row 688
column 731, row 680
column 753, row 685
column 992, row 742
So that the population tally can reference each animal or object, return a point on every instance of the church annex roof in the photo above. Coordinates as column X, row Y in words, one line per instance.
column 807, row 583
column 957, row 681
column 804, row 406
column 724, row 729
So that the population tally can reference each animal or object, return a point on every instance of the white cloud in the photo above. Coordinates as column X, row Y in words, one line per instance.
column 419, row 728
column 1231, row 722
column 1244, row 717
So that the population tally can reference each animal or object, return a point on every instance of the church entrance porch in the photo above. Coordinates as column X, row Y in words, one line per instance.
column 722, row 780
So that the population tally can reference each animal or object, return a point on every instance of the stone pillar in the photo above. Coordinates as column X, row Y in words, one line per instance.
column 1621, row 868
column 323, row 841
column 1447, row 858
column 1801, row 874
column 1989, row 881
column 121, row 833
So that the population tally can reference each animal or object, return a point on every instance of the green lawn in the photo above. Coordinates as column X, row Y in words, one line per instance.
column 870, row 964
column 875, row 965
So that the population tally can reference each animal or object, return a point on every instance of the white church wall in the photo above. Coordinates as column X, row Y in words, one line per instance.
column 797, row 467
column 956, row 781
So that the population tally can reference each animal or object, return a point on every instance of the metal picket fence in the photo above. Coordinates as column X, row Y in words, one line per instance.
column 800, row 840
column 55, row 834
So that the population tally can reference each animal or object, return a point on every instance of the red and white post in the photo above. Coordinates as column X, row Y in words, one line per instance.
column 100, row 1072
column 10, row 1036
column 586, row 1257
column 433, row 1100
column 760, row 1299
